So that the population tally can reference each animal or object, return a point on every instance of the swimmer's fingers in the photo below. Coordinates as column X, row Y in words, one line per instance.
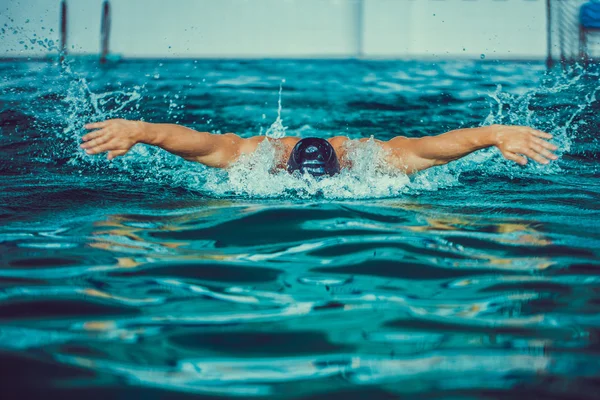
column 97, row 125
column 111, row 145
column 541, row 134
column 516, row 158
column 535, row 156
column 115, row 153
column 540, row 150
column 544, row 144
column 94, row 135
column 98, row 140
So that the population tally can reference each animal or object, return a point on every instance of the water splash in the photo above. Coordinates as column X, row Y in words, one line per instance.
column 84, row 105
column 524, row 109
column 277, row 130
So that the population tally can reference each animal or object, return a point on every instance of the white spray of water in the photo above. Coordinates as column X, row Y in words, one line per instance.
column 142, row 162
column 277, row 130
column 521, row 112
column 86, row 106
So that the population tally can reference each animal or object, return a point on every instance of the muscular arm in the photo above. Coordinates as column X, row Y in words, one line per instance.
column 117, row 136
column 517, row 143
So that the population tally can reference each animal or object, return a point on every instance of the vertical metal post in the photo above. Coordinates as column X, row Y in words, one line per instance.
column 104, row 31
column 360, row 22
column 583, row 44
column 63, row 29
column 549, row 61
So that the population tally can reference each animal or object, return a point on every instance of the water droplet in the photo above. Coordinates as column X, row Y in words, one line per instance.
column 464, row 49
column 482, row 56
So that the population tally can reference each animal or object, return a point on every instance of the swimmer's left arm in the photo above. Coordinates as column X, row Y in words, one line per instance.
column 517, row 143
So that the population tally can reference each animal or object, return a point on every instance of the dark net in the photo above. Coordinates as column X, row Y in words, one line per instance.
column 568, row 40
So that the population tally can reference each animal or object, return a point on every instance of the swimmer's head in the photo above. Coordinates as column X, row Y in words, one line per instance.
column 314, row 156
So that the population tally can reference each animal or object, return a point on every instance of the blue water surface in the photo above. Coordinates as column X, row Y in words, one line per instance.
column 153, row 277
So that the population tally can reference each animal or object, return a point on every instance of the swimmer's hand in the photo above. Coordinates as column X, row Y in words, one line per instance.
column 116, row 136
column 518, row 143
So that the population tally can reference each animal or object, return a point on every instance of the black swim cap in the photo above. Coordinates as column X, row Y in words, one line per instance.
column 315, row 156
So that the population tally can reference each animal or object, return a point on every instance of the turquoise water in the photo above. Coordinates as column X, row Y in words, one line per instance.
column 152, row 277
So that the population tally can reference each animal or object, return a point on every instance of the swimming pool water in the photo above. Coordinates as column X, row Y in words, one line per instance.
column 152, row 277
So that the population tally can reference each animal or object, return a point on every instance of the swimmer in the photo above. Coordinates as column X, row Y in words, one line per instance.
column 315, row 156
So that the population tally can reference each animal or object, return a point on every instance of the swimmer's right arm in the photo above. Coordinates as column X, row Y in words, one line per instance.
column 516, row 143
column 214, row 150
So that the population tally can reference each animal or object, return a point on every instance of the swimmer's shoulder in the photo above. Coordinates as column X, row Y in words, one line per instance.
column 289, row 141
column 250, row 144
column 338, row 142
column 284, row 148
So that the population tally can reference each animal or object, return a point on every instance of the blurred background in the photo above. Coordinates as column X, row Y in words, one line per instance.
column 497, row 29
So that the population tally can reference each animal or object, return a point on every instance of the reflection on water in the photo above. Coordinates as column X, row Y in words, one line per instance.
column 207, row 300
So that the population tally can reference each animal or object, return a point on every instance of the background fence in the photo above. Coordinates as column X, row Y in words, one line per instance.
column 568, row 40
